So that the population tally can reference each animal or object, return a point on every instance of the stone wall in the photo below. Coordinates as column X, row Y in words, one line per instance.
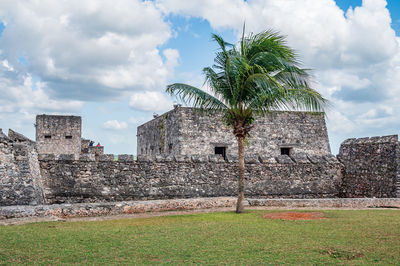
column 371, row 167
column 70, row 181
column 186, row 131
column 56, row 134
column 20, row 180
column 87, row 149
column 160, row 135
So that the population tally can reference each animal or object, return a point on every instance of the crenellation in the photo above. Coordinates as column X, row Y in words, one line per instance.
column 315, row 159
column 251, row 159
column 284, row 159
column 267, row 159
column 125, row 158
column 182, row 158
column 106, row 158
column 300, row 158
column 87, row 157
column 200, row 158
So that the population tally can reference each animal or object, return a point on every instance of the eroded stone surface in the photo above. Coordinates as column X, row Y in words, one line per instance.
column 371, row 167
column 187, row 131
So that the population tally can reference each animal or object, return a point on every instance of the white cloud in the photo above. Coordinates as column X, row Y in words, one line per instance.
column 19, row 94
column 115, row 125
column 90, row 50
column 150, row 101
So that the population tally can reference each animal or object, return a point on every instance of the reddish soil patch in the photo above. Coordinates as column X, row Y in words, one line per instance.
column 294, row 215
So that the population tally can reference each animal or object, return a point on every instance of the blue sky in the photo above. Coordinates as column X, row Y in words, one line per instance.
column 110, row 62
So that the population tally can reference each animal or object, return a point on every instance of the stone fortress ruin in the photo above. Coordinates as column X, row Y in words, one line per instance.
column 187, row 131
column 187, row 154
column 59, row 134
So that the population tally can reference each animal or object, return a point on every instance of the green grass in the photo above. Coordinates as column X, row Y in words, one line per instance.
column 345, row 237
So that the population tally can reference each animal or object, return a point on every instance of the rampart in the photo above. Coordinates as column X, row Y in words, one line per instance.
column 367, row 167
column 85, row 180
column 20, row 180
column 371, row 167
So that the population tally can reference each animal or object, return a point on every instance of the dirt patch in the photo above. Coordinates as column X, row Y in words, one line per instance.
column 294, row 215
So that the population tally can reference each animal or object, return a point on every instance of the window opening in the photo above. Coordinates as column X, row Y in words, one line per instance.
column 68, row 137
column 285, row 151
column 47, row 136
column 170, row 148
column 220, row 150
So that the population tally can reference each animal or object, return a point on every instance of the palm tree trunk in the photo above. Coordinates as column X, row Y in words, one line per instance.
column 239, row 204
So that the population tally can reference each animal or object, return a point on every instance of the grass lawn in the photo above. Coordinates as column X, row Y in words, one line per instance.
column 344, row 237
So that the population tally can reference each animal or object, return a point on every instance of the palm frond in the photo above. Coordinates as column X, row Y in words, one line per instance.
column 195, row 96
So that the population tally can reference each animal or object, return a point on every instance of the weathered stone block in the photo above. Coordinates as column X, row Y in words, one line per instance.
column 315, row 159
column 267, row 159
column 106, row 158
column 300, row 158
column 87, row 157
column 348, row 141
column 232, row 158
column 182, row 158
column 125, row 158
column 330, row 158
column 46, row 157
column 145, row 158
column 199, row 158
column 163, row 158
column 371, row 167
column 284, row 159
column 216, row 158
column 361, row 140
column 251, row 159
column 66, row 157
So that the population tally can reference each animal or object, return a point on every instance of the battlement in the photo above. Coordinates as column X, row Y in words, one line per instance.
column 213, row 158
column 372, row 140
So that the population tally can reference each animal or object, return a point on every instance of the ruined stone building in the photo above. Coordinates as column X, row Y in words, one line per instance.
column 187, row 131
column 59, row 134
column 290, row 158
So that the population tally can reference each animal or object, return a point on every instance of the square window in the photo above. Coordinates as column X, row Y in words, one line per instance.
column 220, row 150
column 285, row 151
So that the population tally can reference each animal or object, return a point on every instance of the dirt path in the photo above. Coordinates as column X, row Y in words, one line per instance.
column 25, row 220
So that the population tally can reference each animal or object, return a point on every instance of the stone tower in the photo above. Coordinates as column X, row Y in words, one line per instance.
column 57, row 134
column 186, row 131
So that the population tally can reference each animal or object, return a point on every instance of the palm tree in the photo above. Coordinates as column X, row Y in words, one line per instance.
column 259, row 75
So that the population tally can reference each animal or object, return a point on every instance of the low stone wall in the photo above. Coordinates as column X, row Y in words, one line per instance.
column 20, row 182
column 371, row 167
column 133, row 207
column 67, row 180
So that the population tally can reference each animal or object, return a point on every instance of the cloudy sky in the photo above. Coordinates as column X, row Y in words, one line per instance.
column 110, row 61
